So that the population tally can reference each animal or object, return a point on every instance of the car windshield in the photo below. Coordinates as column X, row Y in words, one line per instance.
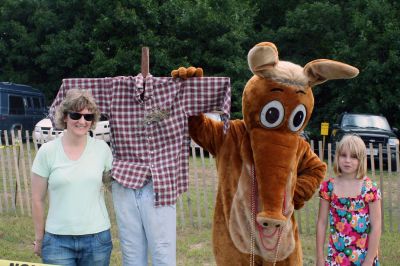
column 365, row 121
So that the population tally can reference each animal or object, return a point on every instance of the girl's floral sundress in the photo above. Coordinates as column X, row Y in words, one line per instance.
column 349, row 224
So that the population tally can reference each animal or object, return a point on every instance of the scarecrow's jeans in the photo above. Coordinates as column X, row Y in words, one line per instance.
column 143, row 227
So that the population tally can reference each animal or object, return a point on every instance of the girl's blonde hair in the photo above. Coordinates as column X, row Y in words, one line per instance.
column 356, row 146
column 75, row 101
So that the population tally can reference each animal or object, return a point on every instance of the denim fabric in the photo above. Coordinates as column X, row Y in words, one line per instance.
column 80, row 250
column 144, row 227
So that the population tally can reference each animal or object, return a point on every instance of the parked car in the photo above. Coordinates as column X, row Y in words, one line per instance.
column 21, row 107
column 371, row 128
column 45, row 132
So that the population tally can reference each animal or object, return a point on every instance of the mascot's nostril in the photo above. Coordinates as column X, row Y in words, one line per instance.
column 265, row 224
column 278, row 225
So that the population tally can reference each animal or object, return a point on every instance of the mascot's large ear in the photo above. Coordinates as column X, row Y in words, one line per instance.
column 321, row 70
column 262, row 58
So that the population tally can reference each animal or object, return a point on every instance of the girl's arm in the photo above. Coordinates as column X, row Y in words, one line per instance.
column 39, row 190
column 322, row 223
column 375, row 234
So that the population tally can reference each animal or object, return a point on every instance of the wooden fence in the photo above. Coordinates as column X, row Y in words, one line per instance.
column 194, row 208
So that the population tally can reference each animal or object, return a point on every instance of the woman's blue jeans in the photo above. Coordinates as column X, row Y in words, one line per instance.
column 80, row 250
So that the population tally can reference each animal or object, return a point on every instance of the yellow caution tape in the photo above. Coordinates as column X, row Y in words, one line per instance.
column 19, row 263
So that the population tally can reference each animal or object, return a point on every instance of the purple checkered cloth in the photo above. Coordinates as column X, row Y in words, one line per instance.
column 149, row 131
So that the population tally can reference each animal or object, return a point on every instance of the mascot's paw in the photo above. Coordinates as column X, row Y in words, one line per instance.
column 185, row 73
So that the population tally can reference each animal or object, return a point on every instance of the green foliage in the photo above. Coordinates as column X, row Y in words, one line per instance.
column 44, row 41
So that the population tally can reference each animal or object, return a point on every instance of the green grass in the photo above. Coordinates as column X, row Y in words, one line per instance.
column 194, row 245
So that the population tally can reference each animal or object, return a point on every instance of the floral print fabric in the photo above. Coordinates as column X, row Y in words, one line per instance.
column 349, row 223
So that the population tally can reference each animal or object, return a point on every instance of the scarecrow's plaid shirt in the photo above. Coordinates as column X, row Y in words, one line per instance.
column 149, row 132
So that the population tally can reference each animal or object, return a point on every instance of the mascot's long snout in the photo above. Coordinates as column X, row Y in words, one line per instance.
column 274, row 153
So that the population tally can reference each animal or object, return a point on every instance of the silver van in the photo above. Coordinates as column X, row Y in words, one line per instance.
column 21, row 107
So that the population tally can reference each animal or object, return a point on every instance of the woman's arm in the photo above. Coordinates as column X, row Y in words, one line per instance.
column 375, row 233
column 322, row 223
column 39, row 190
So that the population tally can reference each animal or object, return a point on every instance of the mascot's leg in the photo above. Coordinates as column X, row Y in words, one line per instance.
column 225, row 252
column 296, row 258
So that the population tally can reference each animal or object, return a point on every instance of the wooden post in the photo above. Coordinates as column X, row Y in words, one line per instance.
column 16, row 151
column 145, row 61
column 389, row 163
column 145, row 69
column 10, row 172
column 205, row 190
column 180, row 201
column 196, row 182
column 22, row 164
column 381, row 185
column 398, row 184
column 3, row 172
column 330, row 163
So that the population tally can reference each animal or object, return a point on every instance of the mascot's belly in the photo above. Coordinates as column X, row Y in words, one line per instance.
column 272, row 244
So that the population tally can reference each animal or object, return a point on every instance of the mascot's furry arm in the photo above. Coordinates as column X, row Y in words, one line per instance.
column 208, row 133
column 311, row 172
column 201, row 127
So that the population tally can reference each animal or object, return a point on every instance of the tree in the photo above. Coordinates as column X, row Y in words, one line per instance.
column 72, row 38
column 361, row 33
column 43, row 41
column 18, row 43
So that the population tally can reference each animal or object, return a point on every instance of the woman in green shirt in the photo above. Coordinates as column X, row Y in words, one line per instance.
column 70, row 170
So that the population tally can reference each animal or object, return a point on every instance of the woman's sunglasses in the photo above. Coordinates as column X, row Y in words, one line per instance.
column 77, row 116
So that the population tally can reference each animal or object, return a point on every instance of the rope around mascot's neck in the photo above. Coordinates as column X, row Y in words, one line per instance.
column 253, row 205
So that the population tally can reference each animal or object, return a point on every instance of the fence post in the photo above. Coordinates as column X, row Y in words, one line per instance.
column 330, row 159
column 16, row 150
column 398, row 185
column 182, row 214
column 10, row 172
column 3, row 172
column 381, row 183
column 196, row 181
column 213, row 179
column 205, row 190
column 24, row 172
column 29, row 152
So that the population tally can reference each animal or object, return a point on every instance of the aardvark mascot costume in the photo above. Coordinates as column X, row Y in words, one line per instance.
column 265, row 169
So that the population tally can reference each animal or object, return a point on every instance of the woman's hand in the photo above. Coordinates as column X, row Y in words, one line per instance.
column 37, row 249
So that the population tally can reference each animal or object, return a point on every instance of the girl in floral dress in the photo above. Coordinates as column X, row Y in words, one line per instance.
column 352, row 201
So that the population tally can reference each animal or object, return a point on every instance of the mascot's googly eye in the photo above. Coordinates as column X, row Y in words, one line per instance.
column 297, row 118
column 272, row 114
